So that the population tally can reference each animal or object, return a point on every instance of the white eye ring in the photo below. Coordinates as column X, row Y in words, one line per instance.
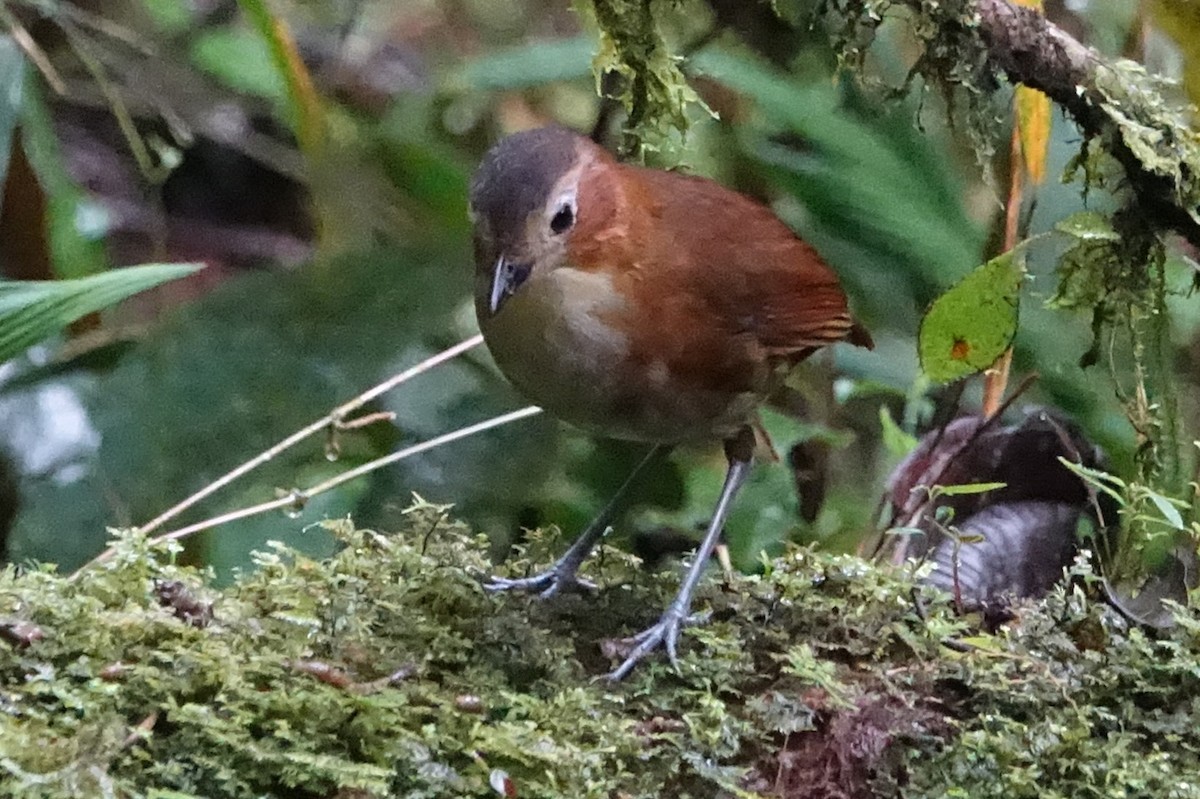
column 563, row 219
column 562, row 213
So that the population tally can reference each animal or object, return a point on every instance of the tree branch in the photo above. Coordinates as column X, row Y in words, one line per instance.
column 1115, row 101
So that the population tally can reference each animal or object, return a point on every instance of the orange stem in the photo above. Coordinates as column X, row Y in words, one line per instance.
column 995, row 380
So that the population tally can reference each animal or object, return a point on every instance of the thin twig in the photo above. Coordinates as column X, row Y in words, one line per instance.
column 33, row 50
column 81, row 46
column 416, row 449
column 108, row 27
column 298, row 498
column 333, row 417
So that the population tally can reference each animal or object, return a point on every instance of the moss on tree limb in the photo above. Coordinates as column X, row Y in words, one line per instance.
column 1112, row 101
column 1107, row 100
column 1157, row 147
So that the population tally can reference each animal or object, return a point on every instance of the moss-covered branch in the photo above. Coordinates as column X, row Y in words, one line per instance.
column 1114, row 102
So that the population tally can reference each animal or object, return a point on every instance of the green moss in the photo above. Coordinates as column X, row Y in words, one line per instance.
column 1071, row 706
column 387, row 671
column 952, row 59
column 653, row 89
column 1156, row 132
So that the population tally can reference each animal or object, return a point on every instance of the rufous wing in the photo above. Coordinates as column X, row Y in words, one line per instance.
column 758, row 278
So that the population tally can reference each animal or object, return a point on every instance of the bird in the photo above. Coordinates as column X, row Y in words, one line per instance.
column 644, row 305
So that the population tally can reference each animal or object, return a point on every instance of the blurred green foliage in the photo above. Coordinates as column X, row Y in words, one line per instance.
column 12, row 80
column 409, row 97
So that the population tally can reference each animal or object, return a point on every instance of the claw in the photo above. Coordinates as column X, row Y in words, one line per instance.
column 562, row 577
column 546, row 584
column 738, row 451
column 666, row 631
column 672, row 639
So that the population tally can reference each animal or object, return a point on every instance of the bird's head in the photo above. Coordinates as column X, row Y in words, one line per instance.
column 525, row 206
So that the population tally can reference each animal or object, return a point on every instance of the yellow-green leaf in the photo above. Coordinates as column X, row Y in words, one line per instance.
column 308, row 115
column 964, row 489
column 1032, row 109
column 1033, row 126
column 966, row 329
column 896, row 440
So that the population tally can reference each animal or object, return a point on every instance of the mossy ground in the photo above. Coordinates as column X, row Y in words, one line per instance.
column 387, row 671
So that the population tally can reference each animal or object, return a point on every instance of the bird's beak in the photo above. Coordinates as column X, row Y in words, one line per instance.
column 507, row 277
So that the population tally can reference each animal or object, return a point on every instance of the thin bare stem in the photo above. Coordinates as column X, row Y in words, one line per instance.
column 298, row 498
column 33, row 50
column 116, row 102
column 107, row 27
column 995, row 380
column 331, row 418
column 417, row 449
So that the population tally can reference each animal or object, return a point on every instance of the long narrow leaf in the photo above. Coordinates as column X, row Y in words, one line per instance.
column 12, row 76
column 33, row 310
column 528, row 65
column 308, row 115
column 75, row 223
column 868, row 178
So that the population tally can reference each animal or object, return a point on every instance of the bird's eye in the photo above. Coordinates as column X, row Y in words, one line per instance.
column 563, row 219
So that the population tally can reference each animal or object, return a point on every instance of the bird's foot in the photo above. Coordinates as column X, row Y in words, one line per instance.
column 665, row 631
column 558, row 579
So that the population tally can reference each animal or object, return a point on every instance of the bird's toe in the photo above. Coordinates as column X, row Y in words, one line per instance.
column 549, row 583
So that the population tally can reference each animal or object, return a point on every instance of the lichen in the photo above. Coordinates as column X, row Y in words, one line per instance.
column 1158, row 133
column 952, row 59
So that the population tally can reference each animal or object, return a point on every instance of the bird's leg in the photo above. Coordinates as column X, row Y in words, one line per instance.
column 563, row 575
column 739, row 450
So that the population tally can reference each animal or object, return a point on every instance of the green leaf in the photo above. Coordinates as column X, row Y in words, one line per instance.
column 241, row 60
column 966, row 329
column 76, row 224
column 1088, row 226
column 33, row 310
column 1167, row 508
column 897, row 441
column 967, row 488
column 12, row 77
column 171, row 16
column 1101, row 481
